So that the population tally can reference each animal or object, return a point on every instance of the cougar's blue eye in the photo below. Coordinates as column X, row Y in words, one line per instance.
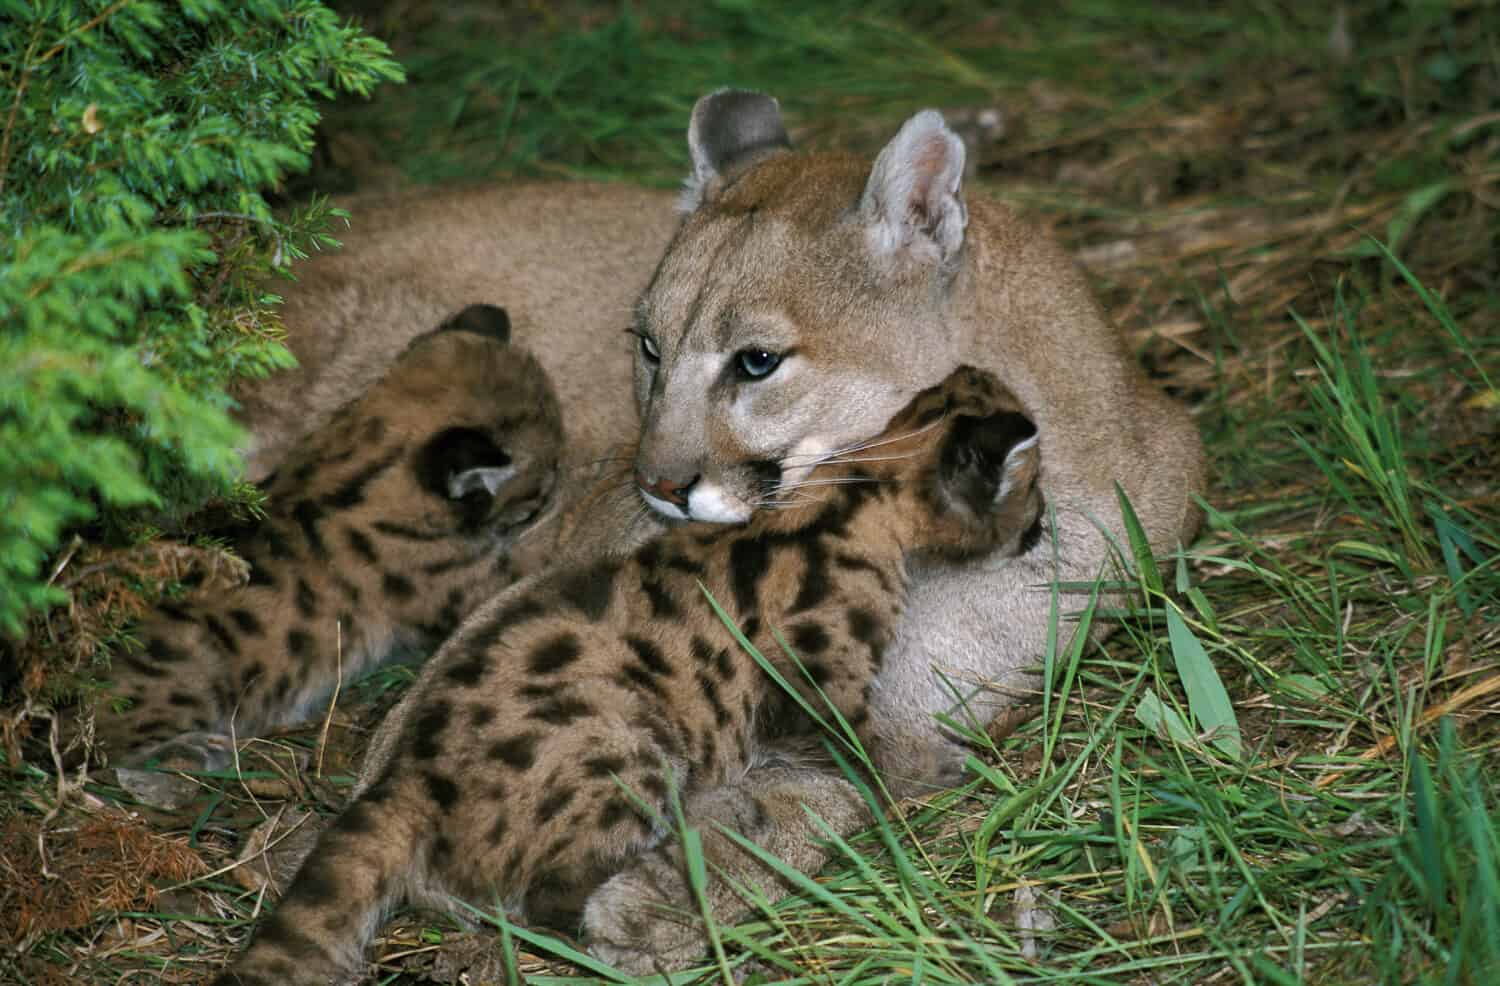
column 756, row 363
column 649, row 352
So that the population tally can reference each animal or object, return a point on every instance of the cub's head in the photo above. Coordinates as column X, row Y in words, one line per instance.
column 959, row 464
column 461, row 435
column 804, row 300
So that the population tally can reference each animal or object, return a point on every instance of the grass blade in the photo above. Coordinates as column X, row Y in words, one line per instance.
column 1163, row 720
column 1140, row 545
column 1207, row 700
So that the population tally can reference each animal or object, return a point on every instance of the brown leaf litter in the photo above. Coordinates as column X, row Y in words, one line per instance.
column 101, row 862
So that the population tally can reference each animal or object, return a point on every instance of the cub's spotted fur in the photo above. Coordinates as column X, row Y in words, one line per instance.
column 503, row 774
column 383, row 530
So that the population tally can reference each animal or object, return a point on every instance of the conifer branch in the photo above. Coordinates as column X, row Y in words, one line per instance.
column 133, row 280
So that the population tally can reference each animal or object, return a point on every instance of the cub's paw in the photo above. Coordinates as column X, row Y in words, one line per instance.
column 159, row 786
column 645, row 920
column 463, row 957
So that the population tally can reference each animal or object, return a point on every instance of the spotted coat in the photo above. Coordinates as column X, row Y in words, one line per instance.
column 541, row 750
column 383, row 530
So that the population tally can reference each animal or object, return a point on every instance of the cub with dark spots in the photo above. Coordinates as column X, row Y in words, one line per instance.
column 535, row 762
column 383, row 530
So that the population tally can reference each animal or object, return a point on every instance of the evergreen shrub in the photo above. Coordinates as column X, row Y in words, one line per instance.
column 138, row 144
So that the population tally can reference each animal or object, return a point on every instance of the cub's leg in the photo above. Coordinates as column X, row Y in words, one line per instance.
column 166, row 705
column 366, row 861
column 173, row 692
column 507, row 816
column 646, row 917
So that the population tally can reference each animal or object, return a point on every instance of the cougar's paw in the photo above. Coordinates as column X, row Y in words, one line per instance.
column 645, row 920
column 946, row 764
column 919, row 766
column 275, row 850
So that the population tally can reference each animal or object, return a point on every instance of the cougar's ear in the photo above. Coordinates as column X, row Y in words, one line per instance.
column 485, row 320
column 462, row 462
column 986, row 460
column 912, row 205
column 727, row 127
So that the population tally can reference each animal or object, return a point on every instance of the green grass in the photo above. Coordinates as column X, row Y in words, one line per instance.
column 1279, row 769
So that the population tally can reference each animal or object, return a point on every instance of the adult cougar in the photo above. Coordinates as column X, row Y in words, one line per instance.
column 802, row 299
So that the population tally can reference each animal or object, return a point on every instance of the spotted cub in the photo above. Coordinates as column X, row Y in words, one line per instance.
column 536, row 757
column 383, row 530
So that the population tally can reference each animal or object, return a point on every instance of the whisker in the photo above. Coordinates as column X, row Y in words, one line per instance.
column 864, row 446
column 832, row 481
column 782, row 497
column 639, row 514
column 870, row 458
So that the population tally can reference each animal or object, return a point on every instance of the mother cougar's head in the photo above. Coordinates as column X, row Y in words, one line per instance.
column 804, row 300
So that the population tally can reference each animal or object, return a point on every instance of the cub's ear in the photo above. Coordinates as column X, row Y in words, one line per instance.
column 727, row 126
column 912, row 206
column 985, row 461
column 485, row 320
column 460, row 462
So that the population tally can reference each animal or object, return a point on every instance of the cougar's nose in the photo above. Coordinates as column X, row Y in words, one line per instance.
column 666, row 489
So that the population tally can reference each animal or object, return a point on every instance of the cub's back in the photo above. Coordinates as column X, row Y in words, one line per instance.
column 383, row 528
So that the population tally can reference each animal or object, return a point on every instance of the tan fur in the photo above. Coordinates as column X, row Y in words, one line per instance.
column 362, row 553
column 876, row 282
column 781, row 250
column 565, row 260
column 540, row 753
